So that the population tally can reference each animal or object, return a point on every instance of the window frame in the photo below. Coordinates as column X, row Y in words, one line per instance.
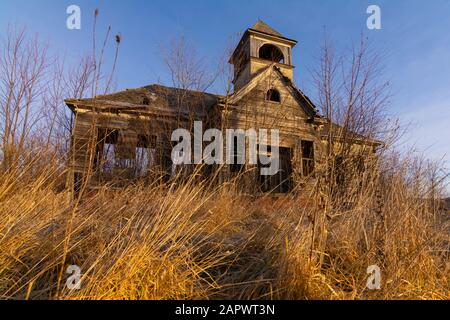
column 307, row 160
column 270, row 93
column 274, row 48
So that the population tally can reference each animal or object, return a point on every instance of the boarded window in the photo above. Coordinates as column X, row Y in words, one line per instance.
column 307, row 157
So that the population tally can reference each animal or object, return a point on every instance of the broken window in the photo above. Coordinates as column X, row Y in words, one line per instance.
column 117, row 151
column 176, row 167
column 273, row 95
column 307, row 157
column 105, row 155
column 272, row 53
column 125, row 154
column 145, row 154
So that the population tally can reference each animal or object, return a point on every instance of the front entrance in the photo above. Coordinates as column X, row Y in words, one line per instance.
column 281, row 182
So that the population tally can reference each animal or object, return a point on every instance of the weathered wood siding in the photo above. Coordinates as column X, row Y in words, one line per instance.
column 88, row 123
column 288, row 116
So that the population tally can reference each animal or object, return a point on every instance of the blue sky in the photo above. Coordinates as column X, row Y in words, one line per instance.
column 414, row 38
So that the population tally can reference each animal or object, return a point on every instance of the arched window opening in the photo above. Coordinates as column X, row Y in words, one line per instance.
column 273, row 95
column 272, row 53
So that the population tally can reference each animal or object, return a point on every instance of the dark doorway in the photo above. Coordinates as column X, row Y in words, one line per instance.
column 281, row 182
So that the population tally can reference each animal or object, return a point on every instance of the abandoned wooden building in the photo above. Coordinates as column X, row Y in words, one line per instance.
column 127, row 135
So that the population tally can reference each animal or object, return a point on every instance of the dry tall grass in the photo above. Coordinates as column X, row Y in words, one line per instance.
column 203, row 241
column 195, row 241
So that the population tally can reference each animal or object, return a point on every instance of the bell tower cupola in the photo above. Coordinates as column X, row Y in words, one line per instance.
column 259, row 47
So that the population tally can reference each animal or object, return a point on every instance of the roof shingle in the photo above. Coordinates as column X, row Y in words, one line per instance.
column 263, row 27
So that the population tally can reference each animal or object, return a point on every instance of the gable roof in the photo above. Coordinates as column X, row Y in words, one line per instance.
column 154, row 97
column 306, row 103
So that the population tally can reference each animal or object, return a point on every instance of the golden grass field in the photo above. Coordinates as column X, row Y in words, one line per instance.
column 201, row 241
